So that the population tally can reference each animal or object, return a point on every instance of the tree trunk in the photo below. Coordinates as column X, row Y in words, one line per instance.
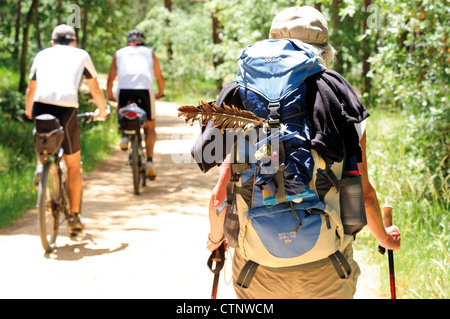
column 37, row 29
column 58, row 11
column 366, row 51
column 17, row 34
column 168, row 6
column 218, row 59
column 23, row 58
column 85, row 22
column 338, row 65
column 77, row 33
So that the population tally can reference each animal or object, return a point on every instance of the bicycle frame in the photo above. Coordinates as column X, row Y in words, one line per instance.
column 58, row 160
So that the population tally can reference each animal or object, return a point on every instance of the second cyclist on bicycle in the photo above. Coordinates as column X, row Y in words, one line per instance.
column 135, row 67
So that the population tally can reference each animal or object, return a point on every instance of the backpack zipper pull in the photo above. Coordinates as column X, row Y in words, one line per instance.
column 327, row 219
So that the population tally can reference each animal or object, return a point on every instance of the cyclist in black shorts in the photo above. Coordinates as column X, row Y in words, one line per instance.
column 53, row 88
column 135, row 67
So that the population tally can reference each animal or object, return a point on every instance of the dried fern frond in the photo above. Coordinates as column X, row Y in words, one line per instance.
column 226, row 117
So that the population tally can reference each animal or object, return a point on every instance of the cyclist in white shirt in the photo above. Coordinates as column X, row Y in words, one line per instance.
column 135, row 67
column 53, row 88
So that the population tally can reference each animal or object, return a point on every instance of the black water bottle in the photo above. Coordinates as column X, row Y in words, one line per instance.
column 351, row 198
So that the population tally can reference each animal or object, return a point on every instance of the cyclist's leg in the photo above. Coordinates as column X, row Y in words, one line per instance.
column 72, row 156
column 75, row 180
column 124, row 98
column 147, row 103
column 38, row 109
column 150, row 137
column 150, row 140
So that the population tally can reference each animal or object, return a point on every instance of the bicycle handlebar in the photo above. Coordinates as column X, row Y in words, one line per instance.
column 89, row 116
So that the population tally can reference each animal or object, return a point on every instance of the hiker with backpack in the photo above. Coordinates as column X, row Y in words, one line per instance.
column 292, row 201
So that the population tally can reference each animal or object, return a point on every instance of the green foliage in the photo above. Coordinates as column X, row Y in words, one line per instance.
column 101, row 31
column 186, row 65
column 12, row 105
column 97, row 138
column 17, row 162
column 9, row 79
column 421, row 202
column 410, row 72
column 412, row 57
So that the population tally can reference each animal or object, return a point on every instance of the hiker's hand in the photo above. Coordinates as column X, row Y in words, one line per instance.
column 28, row 115
column 392, row 240
column 216, row 234
column 212, row 244
column 219, row 194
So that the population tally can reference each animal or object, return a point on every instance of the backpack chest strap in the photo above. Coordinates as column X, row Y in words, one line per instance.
column 274, row 117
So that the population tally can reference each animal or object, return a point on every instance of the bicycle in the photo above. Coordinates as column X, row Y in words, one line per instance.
column 53, row 197
column 132, row 120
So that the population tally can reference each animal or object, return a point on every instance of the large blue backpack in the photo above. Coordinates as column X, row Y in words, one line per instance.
column 284, row 221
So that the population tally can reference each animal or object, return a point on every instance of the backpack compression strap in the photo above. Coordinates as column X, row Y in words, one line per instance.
column 247, row 273
column 340, row 264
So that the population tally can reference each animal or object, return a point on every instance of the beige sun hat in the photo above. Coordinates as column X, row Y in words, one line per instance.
column 302, row 23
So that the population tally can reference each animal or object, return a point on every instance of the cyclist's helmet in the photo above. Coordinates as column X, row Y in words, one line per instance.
column 135, row 37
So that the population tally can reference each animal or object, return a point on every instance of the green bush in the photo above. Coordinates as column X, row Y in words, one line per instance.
column 12, row 105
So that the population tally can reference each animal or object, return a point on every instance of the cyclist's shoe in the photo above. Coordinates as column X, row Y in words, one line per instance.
column 37, row 175
column 124, row 143
column 150, row 170
column 75, row 224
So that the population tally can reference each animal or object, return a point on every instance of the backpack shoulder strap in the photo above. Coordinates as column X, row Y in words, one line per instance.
column 236, row 170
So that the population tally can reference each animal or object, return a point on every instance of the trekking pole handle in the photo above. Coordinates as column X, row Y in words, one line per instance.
column 387, row 211
column 217, row 259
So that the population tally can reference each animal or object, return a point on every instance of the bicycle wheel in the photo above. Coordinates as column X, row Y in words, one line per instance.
column 48, row 206
column 135, row 163
column 142, row 166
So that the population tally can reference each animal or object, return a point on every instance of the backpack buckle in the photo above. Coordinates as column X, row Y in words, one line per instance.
column 274, row 114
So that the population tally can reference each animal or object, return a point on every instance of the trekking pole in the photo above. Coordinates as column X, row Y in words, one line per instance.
column 218, row 257
column 387, row 210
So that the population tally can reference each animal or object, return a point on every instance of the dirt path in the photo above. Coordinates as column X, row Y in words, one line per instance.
column 134, row 246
